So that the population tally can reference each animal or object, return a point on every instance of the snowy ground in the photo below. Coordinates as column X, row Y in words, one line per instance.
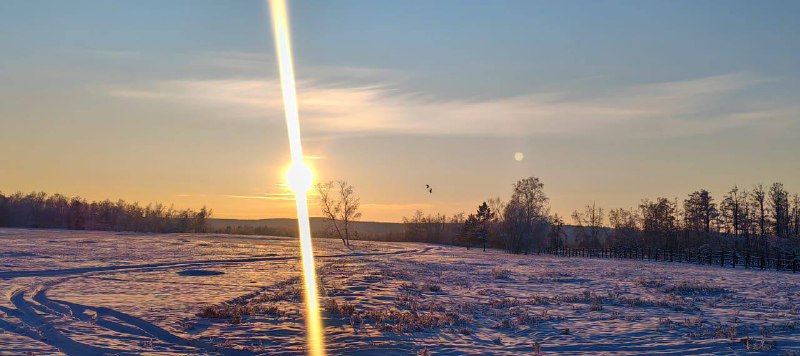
column 84, row 293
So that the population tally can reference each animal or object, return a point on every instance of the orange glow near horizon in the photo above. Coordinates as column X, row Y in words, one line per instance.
column 299, row 176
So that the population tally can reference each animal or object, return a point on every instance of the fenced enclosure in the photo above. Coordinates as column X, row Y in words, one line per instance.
column 777, row 260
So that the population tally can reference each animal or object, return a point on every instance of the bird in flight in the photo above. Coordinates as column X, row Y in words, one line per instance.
column 428, row 187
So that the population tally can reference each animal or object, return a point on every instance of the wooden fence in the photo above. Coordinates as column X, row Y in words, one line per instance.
column 777, row 261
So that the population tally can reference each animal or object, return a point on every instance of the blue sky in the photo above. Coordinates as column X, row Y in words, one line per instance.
column 610, row 101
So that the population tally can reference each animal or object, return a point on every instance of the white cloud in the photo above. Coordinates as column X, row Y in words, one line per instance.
column 700, row 105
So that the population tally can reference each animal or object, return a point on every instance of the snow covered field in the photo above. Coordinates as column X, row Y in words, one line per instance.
column 84, row 293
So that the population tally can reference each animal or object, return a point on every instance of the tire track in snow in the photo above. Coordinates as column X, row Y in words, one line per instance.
column 83, row 270
column 48, row 333
column 38, row 317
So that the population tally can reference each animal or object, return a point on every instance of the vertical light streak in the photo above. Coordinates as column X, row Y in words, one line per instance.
column 299, row 175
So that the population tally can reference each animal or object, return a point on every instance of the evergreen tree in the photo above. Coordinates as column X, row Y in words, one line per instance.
column 476, row 227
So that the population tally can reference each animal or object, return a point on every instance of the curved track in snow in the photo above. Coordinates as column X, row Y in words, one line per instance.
column 38, row 316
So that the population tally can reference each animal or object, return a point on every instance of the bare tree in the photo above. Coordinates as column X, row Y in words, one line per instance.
column 556, row 231
column 590, row 224
column 625, row 225
column 779, row 208
column 759, row 206
column 525, row 217
column 432, row 228
column 760, row 213
column 339, row 204
column 659, row 222
column 731, row 211
column 497, row 205
column 747, row 217
column 796, row 215
column 496, row 228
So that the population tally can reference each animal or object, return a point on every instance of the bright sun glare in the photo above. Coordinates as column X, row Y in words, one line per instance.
column 299, row 176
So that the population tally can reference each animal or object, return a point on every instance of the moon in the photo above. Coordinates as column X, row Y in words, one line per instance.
column 519, row 156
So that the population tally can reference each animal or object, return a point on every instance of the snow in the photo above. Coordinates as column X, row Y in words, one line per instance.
column 86, row 293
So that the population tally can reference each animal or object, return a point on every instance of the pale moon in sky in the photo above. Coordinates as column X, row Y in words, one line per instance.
column 519, row 156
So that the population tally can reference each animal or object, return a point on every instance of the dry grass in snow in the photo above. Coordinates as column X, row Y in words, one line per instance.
column 97, row 293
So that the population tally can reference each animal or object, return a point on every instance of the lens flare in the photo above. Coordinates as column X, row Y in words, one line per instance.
column 299, row 177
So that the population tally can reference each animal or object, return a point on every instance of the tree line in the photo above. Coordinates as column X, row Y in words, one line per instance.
column 519, row 225
column 57, row 211
column 758, row 219
column 761, row 220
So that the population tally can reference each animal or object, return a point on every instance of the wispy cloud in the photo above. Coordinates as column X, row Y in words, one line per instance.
column 685, row 107
column 268, row 196
column 410, row 206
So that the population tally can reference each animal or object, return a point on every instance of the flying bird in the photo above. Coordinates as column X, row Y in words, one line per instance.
column 428, row 187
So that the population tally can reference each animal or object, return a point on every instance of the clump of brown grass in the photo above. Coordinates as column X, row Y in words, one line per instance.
column 728, row 332
column 515, row 317
column 417, row 289
column 717, row 332
column 407, row 300
column 287, row 293
column 503, row 302
column 410, row 288
column 343, row 308
column 762, row 345
column 649, row 282
column 596, row 305
column 500, row 273
column 672, row 302
column 693, row 288
column 536, row 299
column 235, row 312
column 435, row 288
column 467, row 307
column 490, row 292
column 400, row 274
column 393, row 320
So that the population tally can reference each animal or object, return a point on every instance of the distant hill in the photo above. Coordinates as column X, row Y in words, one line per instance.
column 366, row 229
column 317, row 225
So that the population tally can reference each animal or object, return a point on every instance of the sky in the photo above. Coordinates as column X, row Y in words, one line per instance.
column 608, row 101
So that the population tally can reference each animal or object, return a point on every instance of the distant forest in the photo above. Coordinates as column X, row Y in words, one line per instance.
column 40, row 210
column 759, row 220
